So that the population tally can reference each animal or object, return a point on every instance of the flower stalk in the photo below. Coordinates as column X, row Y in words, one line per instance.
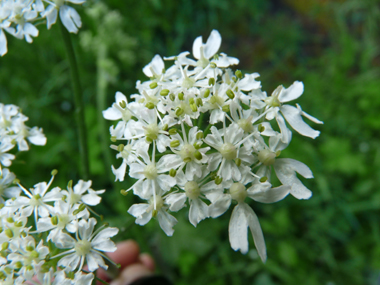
column 78, row 101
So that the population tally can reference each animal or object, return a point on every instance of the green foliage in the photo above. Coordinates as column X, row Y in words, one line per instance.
column 333, row 238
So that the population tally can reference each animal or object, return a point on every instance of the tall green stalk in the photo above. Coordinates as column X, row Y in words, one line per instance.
column 78, row 101
column 101, row 95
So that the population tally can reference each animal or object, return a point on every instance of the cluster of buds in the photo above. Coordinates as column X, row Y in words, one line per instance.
column 199, row 134
column 20, row 17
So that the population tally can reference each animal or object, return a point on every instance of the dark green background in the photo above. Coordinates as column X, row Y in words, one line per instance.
column 332, row 46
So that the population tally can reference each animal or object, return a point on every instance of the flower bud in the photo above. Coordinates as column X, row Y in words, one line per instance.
column 239, row 74
column 230, row 94
column 198, row 155
column 218, row 180
column 263, row 179
column 174, row 143
column 123, row 104
column 149, row 105
column 172, row 172
column 164, row 92
column 226, row 108
column 172, row 131
column 179, row 111
column 153, row 85
column 120, row 147
column 54, row 220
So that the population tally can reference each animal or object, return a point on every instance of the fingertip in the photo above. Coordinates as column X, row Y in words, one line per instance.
column 127, row 253
column 148, row 261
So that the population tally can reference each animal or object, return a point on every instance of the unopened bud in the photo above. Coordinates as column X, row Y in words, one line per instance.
column 197, row 145
column 198, row 155
column 172, row 131
column 226, row 108
column 164, row 92
column 239, row 74
column 230, row 94
column 153, row 85
column 9, row 233
column 4, row 245
column 218, row 180
column 149, row 105
column 54, row 220
column 174, row 143
column 179, row 111
column 123, row 104
column 261, row 128
column 263, row 179
column 172, row 172
column 148, row 140
column 120, row 147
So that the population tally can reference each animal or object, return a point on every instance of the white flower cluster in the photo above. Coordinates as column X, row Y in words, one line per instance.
column 19, row 18
column 62, row 218
column 199, row 134
column 14, row 131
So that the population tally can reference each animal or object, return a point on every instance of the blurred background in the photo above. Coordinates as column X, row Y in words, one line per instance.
column 332, row 46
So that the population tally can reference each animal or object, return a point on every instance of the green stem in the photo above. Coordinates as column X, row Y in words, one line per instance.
column 78, row 100
column 101, row 93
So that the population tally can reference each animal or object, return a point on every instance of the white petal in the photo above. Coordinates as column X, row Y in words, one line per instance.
column 212, row 45
column 293, row 117
column 166, row 221
column 292, row 92
column 176, row 201
column 238, row 230
column 271, row 195
column 198, row 211
column 3, row 43
column 70, row 18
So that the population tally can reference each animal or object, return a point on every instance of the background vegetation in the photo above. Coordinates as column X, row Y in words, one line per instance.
column 332, row 46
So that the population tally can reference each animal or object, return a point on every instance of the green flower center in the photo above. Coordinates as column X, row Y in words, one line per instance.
column 228, row 151
column 192, row 190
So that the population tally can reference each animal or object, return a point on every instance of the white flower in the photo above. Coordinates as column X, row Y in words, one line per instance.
column 82, row 193
column 292, row 115
column 68, row 15
column 7, row 191
column 88, row 246
column 156, row 207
